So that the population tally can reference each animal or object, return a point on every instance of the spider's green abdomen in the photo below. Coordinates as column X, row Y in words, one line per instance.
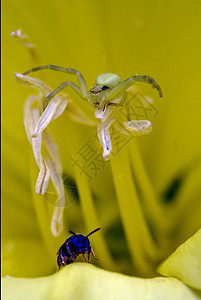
column 108, row 79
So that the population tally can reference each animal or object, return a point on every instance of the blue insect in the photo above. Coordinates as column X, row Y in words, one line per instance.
column 74, row 245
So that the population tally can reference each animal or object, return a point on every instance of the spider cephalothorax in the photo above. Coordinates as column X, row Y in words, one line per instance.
column 98, row 89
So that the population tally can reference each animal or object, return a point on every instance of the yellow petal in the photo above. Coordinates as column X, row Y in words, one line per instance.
column 185, row 262
column 83, row 281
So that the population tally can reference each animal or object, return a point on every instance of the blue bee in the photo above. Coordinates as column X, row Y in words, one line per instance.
column 74, row 245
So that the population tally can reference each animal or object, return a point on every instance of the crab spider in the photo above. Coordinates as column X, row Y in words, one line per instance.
column 108, row 90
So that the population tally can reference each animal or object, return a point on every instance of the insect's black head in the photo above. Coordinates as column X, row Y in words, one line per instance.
column 80, row 243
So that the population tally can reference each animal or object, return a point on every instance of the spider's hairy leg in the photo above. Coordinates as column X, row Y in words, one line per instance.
column 83, row 86
column 120, row 103
column 123, row 86
column 116, row 100
column 148, row 79
column 60, row 88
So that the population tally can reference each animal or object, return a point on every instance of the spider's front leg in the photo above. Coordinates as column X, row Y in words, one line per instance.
column 123, row 86
column 119, row 101
column 60, row 88
column 82, row 91
column 83, row 86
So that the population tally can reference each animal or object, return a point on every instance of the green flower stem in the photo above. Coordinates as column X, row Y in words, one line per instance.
column 89, row 211
column 149, row 243
column 155, row 211
column 92, row 221
column 110, row 216
column 189, row 190
column 127, row 201
column 188, row 204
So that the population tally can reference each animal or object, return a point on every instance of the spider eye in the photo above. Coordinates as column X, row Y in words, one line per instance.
column 105, row 88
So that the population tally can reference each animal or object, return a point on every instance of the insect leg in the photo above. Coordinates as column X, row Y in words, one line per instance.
column 93, row 254
column 59, row 89
column 82, row 82
column 88, row 255
column 84, row 257
column 59, row 262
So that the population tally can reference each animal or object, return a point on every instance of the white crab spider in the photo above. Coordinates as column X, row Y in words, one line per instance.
column 108, row 90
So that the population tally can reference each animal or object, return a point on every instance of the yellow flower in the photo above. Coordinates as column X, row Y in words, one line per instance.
column 146, row 199
column 83, row 281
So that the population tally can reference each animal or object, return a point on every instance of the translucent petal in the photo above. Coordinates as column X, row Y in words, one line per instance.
column 53, row 150
column 27, row 115
column 138, row 127
column 31, row 117
column 43, row 179
column 60, row 109
column 53, row 161
column 104, row 137
column 22, row 38
column 47, row 115
column 57, row 221
column 33, row 82
column 36, row 142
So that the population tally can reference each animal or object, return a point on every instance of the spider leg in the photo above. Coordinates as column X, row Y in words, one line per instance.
column 112, row 102
column 121, row 102
column 59, row 89
column 123, row 86
column 82, row 82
